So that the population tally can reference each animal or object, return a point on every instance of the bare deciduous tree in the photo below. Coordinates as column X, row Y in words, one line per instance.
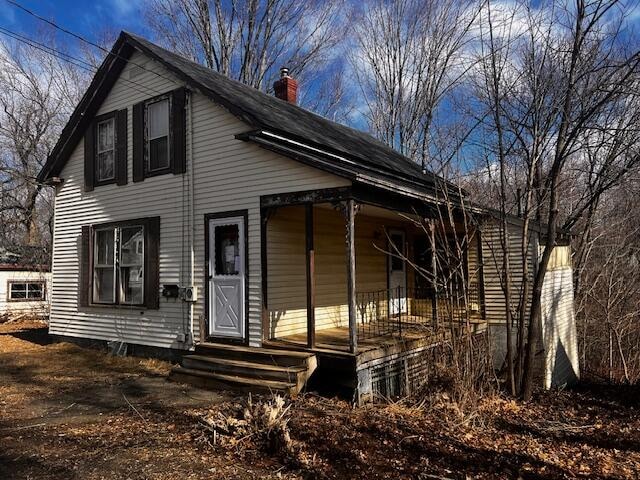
column 410, row 54
column 566, row 112
column 37, row 93
column 249, row 40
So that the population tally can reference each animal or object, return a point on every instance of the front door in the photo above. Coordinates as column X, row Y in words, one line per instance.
column 397, row 272
column 227, row 264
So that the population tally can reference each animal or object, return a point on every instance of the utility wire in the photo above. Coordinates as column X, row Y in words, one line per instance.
column 81, row 38
column 79, row 63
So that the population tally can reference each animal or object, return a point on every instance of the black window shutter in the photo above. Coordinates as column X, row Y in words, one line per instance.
column 138, row 142
column 89, row 158
column 179, row 131
column 152, row 264
column 121, row 147
column 84, row 277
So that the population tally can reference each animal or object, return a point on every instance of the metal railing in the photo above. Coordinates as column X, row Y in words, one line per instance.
column 391, row 312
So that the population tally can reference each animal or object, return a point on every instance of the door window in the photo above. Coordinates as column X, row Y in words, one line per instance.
column 227, row 250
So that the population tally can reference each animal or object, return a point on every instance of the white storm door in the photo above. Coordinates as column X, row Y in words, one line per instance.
column 397, row 272
column 227, row 277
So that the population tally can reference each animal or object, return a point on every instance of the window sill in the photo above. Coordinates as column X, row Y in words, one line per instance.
column 105, row 182
column 157, row 173
column 24, row 300
column 132, row 308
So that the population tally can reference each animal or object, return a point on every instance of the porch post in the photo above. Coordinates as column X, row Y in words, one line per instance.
column 351, row 273
column 311, row 281
column 434, row 271
column 266, row 327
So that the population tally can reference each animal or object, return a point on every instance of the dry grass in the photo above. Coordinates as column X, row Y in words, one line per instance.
column 72, row 413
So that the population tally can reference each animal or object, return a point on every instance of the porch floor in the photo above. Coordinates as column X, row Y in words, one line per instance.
column 337, row 339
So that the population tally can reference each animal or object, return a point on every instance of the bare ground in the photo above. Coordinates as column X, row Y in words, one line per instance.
column 68, row 412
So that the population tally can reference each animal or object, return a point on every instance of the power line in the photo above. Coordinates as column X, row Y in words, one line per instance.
column 79, row 63
column 65, row 57
column 80, row 37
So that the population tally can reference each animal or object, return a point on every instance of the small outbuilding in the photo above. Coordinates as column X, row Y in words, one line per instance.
column 25, row 277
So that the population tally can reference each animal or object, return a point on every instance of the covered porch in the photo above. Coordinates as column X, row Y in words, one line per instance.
column 340, row 274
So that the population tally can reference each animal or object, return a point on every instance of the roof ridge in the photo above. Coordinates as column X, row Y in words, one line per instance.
column 284, row 103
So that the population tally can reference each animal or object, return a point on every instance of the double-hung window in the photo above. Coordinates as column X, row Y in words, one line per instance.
column 118, row 266
column 157, row 158
column 20, row 291
column 106, row 150
column 159, row 135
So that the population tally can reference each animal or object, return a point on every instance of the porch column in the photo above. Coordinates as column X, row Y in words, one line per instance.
column 434, row 271
column 266, row 324
column 311, row 281
column 350, row 212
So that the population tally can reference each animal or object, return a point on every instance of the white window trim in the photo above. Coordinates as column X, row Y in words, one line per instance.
column 117, row 265
column 148, row 137
column 125, row 265
column 95, row 265
column 27, row 283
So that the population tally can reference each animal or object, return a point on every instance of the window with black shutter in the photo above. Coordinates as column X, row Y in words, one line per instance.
column 105, row 150
column 119, row 264
column 159, row 135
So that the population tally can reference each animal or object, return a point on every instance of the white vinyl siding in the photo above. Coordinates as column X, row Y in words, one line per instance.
column 229, row 175
column 36, row 307
column 559, row 335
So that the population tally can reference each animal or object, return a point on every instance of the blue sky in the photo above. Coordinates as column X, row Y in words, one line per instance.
column 88, row 18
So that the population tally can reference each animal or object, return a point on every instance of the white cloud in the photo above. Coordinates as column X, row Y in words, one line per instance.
column 123, row 8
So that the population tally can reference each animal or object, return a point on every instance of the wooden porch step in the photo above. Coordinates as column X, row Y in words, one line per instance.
column 238, row 367
column 219, row 381
column 267, row 356
column 289, row 374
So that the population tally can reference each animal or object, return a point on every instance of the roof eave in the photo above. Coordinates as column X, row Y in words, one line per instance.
column 105, row 77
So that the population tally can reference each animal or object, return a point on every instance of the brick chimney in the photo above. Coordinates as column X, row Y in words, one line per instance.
column 286, row 88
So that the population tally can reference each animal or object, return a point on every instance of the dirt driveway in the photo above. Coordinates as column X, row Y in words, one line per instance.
column 68, row 412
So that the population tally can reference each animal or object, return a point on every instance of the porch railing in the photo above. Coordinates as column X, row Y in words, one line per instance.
column 392, row 312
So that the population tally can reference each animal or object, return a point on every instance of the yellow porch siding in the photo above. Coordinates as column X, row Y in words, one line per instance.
column 286, row 273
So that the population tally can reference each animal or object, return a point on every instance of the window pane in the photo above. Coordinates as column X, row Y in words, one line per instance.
column 106, row 135
column 131, row 265
column 158, row 153
column 106, row 166
column 131, row 285
column 18, row 291
column 104, row 247
column 227, row 246
column 35, row 291
column 158, row 119
column 103, row 283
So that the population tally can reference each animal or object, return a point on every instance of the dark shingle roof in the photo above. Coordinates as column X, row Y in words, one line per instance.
column 264, row 111
column 259, row 110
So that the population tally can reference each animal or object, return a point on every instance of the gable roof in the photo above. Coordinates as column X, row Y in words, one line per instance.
column 278, row 124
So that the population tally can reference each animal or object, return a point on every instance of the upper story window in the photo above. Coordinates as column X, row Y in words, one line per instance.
column 105, row 150
column 157, row 136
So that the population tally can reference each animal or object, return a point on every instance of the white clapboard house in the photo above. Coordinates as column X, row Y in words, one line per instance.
column 196, row 215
